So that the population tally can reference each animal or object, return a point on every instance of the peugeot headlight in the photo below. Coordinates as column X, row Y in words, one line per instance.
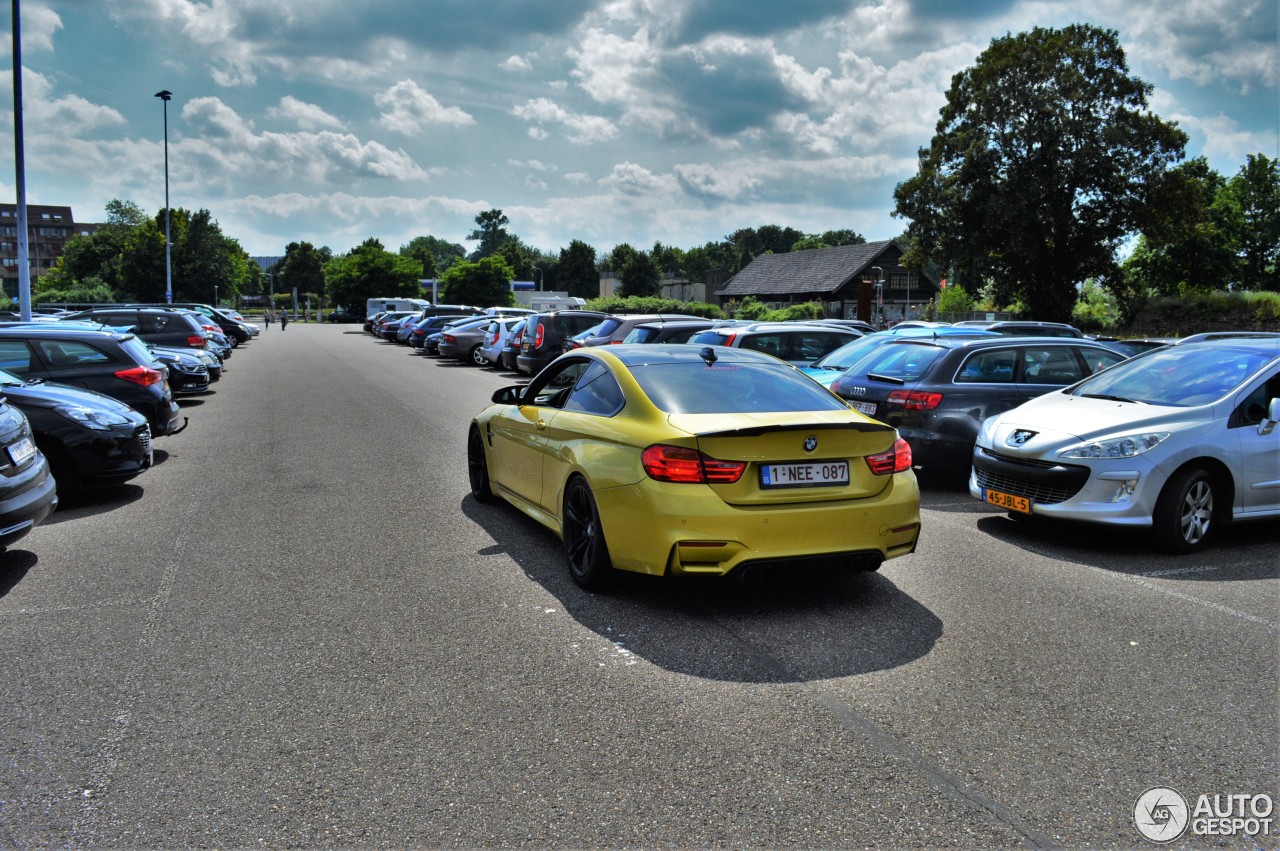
column 1123, row 446
column 98, row 419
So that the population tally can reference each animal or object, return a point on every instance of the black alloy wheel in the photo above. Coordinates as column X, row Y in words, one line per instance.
column 584, row 544
column 477, row 468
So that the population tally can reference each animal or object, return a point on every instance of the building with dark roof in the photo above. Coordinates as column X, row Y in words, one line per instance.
column 49, row 229
column 843, row 279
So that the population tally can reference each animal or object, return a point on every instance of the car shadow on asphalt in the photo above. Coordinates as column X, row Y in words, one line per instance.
column 96, row 501
column 1243, row 551
column 793, row 628
column 14, row 565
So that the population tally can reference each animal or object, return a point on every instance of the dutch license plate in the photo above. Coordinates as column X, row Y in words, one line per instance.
column 21, row 450
column 868, row 408
column 1008, row 501
column 817, row 474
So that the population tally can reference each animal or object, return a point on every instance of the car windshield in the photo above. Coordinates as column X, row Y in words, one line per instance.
column 731, row 388
column 1176, row 376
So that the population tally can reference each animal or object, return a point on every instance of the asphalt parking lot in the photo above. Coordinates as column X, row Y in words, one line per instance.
column 299, row 629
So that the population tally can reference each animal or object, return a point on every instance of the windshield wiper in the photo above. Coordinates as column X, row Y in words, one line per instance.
column 1111, row 398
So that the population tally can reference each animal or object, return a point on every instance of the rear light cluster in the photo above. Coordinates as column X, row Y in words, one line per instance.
column 195, row 342
column 915, row 400
column 688, row 466
column 141, row 375
column 537, row 336
column 895, row 460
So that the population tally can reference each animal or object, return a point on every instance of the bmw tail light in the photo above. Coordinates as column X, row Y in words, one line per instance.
column 537, row 336
column 915, row 400
column 144, row 375
column 895, row 460
column 688, row 466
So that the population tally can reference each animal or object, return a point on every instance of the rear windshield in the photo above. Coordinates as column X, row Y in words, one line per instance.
column 640, row 334
column 137, row 349
column 904, row 362
column 732, row 388
column 607, row 327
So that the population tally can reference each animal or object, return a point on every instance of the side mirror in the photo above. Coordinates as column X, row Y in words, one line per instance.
column 1273, row 416
column 508, row 395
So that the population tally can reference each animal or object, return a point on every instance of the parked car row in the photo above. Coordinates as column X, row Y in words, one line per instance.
column 82, row 399
column 1179, row 439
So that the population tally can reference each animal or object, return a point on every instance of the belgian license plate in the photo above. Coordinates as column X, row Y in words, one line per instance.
column 21, row 450
column 868, row 408
column 1008, row 501
column 812, row 475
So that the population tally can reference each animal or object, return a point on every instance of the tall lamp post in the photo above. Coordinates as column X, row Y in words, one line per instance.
column 164, row 95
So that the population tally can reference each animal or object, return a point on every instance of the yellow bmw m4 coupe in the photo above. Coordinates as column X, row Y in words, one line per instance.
column 683, row 459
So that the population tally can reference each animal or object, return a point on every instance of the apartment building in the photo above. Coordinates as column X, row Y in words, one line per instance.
column 49, row 229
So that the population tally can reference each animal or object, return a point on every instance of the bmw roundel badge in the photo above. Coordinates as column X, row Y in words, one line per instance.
column 810, row 443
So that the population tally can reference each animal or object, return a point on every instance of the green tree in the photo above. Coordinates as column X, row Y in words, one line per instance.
column 1186, row 248
column 485, row 283
column 519, row 257
column 639, row 277
column 370, row 271
column 491, row 231
column 954, row 300
column 303, row 267
column 1248, row 208
column 576, row 271
column 1042, row 162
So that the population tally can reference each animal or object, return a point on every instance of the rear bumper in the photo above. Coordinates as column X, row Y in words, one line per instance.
column 657, row 528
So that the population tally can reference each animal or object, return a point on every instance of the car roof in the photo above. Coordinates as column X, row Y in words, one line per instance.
column 1263, row 343
column 638, row 354
column 1232, row 336
column 984, row 342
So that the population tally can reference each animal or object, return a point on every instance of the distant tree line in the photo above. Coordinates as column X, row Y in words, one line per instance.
column 1046, row 166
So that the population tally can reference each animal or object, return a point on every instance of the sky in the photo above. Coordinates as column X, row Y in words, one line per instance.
column 605, row 121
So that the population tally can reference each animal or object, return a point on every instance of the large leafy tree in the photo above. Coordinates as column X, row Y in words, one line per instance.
column 436, row 254
column 370, row 271
column 302, row 267
column 485, row 283
column 576, row 271
column 491, row 231
column 1248, row 207
column 1043, row 161
column 639, row 276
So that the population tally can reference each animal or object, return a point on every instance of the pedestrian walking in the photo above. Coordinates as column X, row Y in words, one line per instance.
column 284, row 319
column 268, row 317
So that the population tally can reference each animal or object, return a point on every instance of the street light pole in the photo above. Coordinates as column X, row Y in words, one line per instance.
column 164, row 95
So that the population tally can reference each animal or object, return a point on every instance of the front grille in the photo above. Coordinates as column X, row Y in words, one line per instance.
column 1042, row 494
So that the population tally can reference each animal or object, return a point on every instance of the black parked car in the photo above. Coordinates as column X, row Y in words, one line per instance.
column 156, row 325
column 90, row 440
column 110, row 362
column 188, row 375
column 674, row 331
column 937, row 391
column 545, row 335
column 28, row 492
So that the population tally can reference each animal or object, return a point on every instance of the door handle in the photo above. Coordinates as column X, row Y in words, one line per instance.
column 541, row 425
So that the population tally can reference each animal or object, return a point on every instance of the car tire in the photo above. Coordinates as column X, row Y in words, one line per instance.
column 1184, row 516
column 584, row 545
column 478, row 468
column 476, row 358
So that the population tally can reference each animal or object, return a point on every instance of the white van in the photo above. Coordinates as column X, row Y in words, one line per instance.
column 379, row 305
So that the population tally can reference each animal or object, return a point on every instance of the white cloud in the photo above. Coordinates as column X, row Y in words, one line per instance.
column 44, row 110
column 516, row 64
column 306, row 116
column 412, row 110
column 633, row 179
column 582, row 129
